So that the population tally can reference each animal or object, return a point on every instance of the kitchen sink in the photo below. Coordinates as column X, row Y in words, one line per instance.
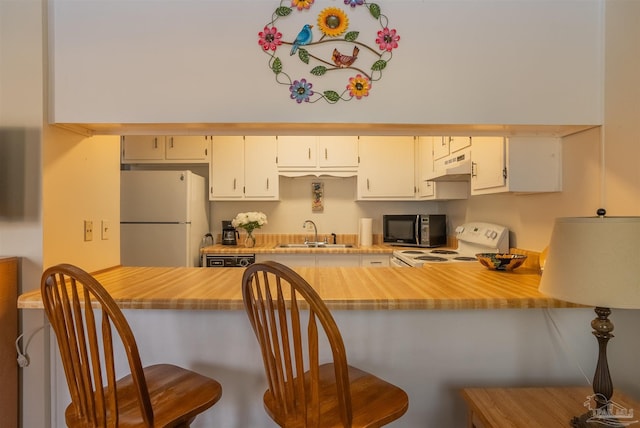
column 314, row 245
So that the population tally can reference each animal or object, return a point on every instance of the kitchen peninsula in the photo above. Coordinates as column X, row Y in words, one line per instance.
column 399, row 323
column 450, row 286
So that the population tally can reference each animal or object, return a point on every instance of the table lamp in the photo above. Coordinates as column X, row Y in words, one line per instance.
column 595, row 261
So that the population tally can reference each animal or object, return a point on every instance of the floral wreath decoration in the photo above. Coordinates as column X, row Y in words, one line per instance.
column 333, row 23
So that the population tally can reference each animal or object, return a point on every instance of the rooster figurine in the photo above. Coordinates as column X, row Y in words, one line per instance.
column 344, row 60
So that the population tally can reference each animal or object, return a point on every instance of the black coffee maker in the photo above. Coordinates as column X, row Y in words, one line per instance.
column 230, row 235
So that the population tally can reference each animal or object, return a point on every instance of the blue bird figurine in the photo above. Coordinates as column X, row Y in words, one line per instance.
column 304, row 37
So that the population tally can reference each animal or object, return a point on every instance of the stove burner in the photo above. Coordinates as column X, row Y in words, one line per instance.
column 431, row 258
column 466, row 259
column 444, row 252
column 412, row 252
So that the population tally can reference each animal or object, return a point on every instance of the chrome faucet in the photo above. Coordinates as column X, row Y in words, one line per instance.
column 315, row 231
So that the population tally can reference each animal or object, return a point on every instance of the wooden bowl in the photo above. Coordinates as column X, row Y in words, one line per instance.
column 501, row 261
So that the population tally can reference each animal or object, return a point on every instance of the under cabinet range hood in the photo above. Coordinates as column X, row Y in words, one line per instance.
column 455, row 167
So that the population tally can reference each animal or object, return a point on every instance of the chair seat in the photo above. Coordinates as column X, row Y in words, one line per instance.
column 374, row 401
column 177, row 396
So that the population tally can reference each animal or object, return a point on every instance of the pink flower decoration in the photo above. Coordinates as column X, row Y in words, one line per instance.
column 270, row 38
column 387, row 39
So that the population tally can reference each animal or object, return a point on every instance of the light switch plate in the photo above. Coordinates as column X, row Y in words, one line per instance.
column 88, row 230
column 106, row 229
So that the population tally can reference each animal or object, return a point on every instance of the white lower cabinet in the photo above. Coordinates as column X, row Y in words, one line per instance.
column 326, row 260
column 375, row 260
column 337, row 260
column 291, row 260
column 516, row 164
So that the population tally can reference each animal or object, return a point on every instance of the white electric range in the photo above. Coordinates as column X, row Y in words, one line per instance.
column 473, row 238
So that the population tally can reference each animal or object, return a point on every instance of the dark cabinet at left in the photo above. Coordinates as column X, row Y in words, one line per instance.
column 8, row 334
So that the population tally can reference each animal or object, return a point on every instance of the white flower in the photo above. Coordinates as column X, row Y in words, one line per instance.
column 250, row 220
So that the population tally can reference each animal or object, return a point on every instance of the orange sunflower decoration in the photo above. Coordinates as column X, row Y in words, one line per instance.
column 359, row 86
column 332, row 21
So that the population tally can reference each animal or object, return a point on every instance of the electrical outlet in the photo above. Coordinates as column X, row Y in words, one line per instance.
column 106, row 229
column 88, row 230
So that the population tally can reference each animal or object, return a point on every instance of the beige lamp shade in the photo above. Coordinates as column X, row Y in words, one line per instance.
column 594, row 261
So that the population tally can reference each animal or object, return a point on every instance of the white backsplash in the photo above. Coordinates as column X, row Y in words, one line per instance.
column 340, row 214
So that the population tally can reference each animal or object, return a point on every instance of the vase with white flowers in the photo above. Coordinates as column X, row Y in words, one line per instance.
column 249, row 221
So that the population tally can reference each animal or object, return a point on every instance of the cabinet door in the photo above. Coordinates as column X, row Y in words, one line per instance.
column 260, row 169
column 440, row 147
column 297, row 151
column 188, row 148
column 386, row 168
column 337, row 151
column 142, row 147
column 342, row 260
column 425, row 149
column 488, row 163
column 301, row 260
column 458, row 143
column 375, row 260
column 226, row 169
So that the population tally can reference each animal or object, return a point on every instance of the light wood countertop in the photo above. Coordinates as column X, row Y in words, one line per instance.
column 272, row 248
column 446, row 286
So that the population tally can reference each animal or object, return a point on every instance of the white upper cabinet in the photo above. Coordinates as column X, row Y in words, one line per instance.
column 243, row 168
column 516, row 164
column 337, row 155
column 165, row 149
column 440, row 147
column 458, row 143
column 226, row 171
column 338, row 151
column 297, row 152
column 188, row 148
column 386, row 170
column 426, row 147
column 260, row 170
column 444, row 146
column 141, row 148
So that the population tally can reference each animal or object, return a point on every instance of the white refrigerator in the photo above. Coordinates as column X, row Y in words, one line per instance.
column 163, row 218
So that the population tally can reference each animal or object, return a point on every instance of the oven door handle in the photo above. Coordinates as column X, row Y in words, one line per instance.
column 396, row 262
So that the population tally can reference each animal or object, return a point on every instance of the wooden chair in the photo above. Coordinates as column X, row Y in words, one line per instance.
column 301, row 391
column 161, row 395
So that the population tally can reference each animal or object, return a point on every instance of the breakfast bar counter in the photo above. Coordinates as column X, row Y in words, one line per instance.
column 447, row 286
column 430, row 330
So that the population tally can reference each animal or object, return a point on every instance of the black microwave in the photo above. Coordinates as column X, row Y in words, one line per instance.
column 417, row 230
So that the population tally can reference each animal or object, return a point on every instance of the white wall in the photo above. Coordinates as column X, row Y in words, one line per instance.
column 458, row 62
column 81, row 181
column 21, row 107
column 622, row 108
column 49, row 179
column 430, row 354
